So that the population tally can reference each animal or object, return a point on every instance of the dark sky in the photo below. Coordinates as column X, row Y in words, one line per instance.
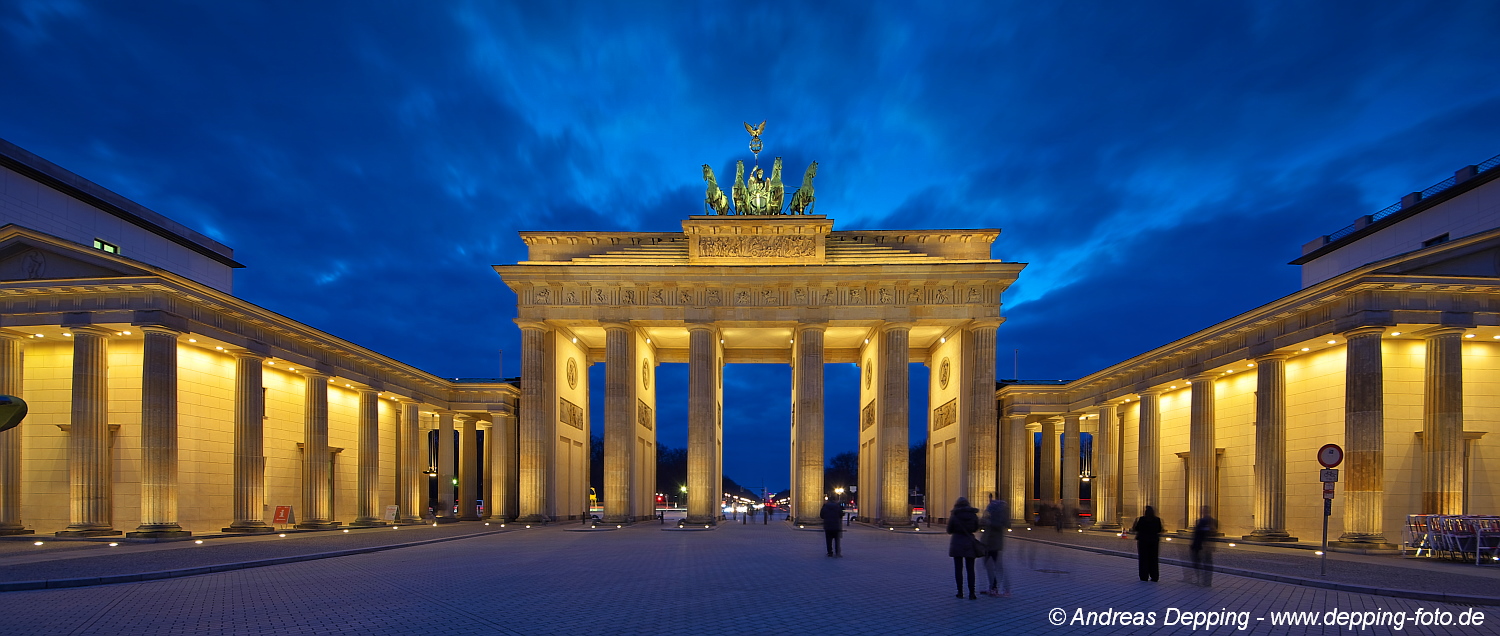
column 1156, row 164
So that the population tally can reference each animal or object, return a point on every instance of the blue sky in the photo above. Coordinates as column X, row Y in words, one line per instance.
column 1156, row 164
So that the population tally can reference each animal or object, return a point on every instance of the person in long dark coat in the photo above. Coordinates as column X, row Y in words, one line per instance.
column 1202, row 549
column 963, row 522
column 1147, row 531
column 832, row 515
column 996, row 523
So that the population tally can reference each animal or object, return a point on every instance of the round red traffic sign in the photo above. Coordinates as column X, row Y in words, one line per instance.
column 1330, row 455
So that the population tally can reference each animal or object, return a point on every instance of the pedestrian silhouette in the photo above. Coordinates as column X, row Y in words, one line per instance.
column 996, row 523
column 963, row 522
column 833, row 518
column 1147, row 531
column 1202, row 549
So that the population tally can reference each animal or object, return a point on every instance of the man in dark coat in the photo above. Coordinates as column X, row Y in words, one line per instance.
column 833, row 525
column 1147, row 531
column 963, row 522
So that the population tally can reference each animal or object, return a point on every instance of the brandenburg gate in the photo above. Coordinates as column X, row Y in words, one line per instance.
column 772, row 288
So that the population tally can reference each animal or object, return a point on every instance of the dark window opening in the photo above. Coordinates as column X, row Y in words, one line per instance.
column 1436, row 240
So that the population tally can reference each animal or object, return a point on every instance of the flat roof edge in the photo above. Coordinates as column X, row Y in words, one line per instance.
column 58, row 178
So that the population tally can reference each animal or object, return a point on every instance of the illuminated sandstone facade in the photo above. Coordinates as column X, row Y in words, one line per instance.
column 161, row 405
column 1392, row 350
column 755, row 289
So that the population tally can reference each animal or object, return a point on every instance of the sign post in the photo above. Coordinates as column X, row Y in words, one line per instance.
column 1330, row 456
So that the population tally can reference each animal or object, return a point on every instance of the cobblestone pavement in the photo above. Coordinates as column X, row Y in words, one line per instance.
column 750, row 579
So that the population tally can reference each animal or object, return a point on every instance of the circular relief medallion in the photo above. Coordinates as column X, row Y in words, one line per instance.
column 944, row 370
column 645, row 374
column 572, row 374
column 869, row 372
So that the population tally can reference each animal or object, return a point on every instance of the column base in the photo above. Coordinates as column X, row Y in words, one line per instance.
column 1363, row 542
column 534, row 519
column 806, row 521
column 317, row 525
column 96, row 532
column 895, row 523
column 1111, row 527
column 14, row 531
column 445, row 520
column 249, row 529
column 702, row 521
column 408, row 520
column 470, row 518
column 367, row 522
column 159, row 534
column 1270, row 536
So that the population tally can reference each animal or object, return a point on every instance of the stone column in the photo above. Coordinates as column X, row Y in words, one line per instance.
column 619, row 422
column 445, row 468
column 1203, row 469
column 1363, row 472
column 1106, row 482
column 316, row 512
column 1019, row 454
column 505, row 468
column 410, row 472
column 1030, row 451
column 895, row 403
column 369, row 460
column 249, row 445
column 1071, row 455
column 487, row 471
column 703, row 493
column 159, row 435
column 90, row 457
column 1148, row 458
column 1050, row 455
column 807, row 465
column 468, row 468
column 536, row 430
column 1443, row 424
column 11, row 375
column 1270, row 449
column 981, row 443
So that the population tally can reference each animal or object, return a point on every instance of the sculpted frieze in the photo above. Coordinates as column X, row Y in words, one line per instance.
column 570, row 413
column 765, row 297
column 757, row 246
column 945, row 414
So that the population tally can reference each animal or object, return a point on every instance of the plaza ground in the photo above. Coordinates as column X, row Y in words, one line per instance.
column 475, row 579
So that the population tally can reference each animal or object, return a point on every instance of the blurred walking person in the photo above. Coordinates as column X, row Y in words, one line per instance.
column 963, row 522
column 1202, row 549
column 1147, row 531
column 996, row 523
column 832, row 515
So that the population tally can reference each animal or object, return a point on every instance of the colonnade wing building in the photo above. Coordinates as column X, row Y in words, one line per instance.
column 784, row 289
column 161, row 404
column 1391, row 350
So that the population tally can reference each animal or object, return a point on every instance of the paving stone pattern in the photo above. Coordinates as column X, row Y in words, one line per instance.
column 749, row 579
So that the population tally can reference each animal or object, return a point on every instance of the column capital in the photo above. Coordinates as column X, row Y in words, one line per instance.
column 443, row 412
column 1072, row 416
column 160, row 330
column 1363, row 331
column 810, row 326
column 1206, row 376
column 362, row 390
column 612, row 325
column 8, row 334
column 312, row 373
column 533, row 324
column 246, row 354
column 1440, row 331
column 406, row 400
column 892, row 326
column 1151, row 391
column 1274, row 355
column 984, row 323
column 92, row 330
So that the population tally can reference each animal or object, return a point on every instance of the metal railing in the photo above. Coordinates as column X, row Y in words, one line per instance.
column 1429, row 192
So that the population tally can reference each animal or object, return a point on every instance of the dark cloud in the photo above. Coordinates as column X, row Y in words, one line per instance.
column 1156, row 164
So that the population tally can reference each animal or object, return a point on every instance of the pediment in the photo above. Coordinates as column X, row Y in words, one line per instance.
column 28, row 258
column 1476, row 260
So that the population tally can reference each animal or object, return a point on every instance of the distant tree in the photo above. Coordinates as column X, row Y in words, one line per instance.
column 916, row 464
column 671, row 470
column 596, row 465
column 842, row 471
